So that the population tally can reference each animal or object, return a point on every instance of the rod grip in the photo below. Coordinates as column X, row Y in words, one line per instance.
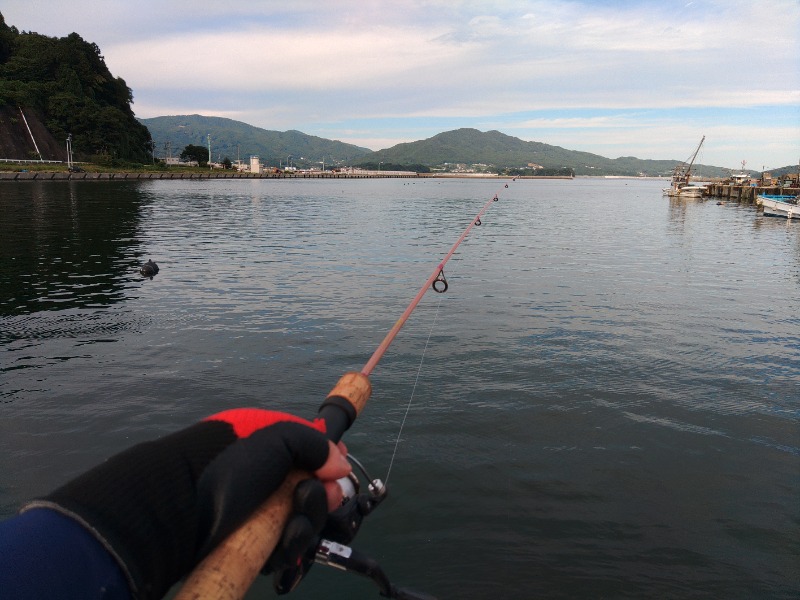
column 229, row 571
column 354, row 387
column 344, row 403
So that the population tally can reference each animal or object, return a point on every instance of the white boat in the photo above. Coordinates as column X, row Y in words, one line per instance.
column 684, row 190
column 680, row 186
column 779, row 206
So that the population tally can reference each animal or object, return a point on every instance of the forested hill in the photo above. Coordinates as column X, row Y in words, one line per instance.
column 236, row 140
column 66, row 84
column 470, row 146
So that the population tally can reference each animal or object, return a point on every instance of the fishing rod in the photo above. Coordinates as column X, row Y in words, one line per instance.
column 228, row 572
column 436, row 281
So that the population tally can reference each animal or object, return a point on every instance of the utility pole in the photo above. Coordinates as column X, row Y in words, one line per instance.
column 69, row 152
column 209, row 151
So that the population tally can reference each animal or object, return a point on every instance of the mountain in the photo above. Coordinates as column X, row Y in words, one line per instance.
column 237, row 140
column 234, row 139
column 471, row 147
column 64, row 84
column 781, row 171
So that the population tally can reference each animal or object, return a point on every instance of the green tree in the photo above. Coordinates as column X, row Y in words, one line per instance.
column 196, row 153
column 66, row 81
column 7, row 36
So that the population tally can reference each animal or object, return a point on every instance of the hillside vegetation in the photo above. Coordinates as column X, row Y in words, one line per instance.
column 237, row 140
column 501, row 151
column 66, row 84
column 497, row 152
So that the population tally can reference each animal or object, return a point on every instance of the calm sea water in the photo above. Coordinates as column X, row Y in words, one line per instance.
column 608, row 405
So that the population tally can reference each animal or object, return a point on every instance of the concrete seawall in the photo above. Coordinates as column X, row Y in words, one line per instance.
column 61, row 176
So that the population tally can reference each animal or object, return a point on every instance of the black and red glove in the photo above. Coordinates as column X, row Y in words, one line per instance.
column 160, row 507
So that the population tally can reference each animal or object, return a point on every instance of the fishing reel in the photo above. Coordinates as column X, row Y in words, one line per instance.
column 331, row 547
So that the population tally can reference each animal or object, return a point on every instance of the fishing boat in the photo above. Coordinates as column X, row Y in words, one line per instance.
column 679, row 185
column 779, row 205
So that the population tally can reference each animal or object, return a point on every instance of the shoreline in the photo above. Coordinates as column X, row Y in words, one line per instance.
column 65, row 176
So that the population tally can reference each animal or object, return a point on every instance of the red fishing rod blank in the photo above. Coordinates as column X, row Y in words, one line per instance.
column 436, row 281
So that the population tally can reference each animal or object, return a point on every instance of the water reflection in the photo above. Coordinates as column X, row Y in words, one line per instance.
column 68, row 255
column 67, row 245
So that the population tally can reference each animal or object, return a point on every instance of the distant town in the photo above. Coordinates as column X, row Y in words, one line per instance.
column 254, row 165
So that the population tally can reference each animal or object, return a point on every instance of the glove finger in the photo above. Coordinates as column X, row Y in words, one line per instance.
column 309, row 506
column 311, row 501
column 297, row 536
column 244, row 475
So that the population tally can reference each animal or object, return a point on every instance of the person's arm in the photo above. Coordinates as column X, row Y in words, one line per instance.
column 44, row 554
column 158, row 508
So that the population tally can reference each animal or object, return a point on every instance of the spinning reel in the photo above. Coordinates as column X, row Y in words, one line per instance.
column 331, row 548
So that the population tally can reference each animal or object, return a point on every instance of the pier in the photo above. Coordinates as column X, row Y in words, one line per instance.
column 744, row 193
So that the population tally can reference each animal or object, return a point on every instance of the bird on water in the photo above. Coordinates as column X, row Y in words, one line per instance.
column 149, row 269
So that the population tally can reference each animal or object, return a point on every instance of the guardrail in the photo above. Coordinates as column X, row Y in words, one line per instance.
column 32, row 161
column 83, row 176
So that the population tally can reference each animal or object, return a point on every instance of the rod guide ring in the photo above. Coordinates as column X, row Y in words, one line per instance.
column 440, row 283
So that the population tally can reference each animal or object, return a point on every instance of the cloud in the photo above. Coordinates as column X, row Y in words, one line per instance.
column 263, row 58
column 423, row 65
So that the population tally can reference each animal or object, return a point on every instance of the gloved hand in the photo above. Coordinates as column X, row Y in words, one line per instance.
column 160, row 507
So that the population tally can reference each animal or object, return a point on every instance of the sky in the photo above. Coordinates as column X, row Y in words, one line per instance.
column 644, row 78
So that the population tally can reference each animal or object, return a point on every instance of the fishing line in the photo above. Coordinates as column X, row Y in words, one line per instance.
column 413, row 390
column 436, row 277
column 438, row 282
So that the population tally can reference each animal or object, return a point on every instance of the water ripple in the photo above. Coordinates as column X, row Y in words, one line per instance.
column 607, row 406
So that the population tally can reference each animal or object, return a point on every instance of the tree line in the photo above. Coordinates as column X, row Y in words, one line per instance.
column 67, row 83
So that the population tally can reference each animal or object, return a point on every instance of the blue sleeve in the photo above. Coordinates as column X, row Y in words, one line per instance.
column 44, row 554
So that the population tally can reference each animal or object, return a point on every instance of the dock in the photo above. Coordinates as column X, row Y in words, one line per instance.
column 745, row 193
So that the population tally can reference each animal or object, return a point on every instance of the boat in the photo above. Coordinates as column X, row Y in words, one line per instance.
column 679, row 185
column 779, row 205
column 740, row 178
